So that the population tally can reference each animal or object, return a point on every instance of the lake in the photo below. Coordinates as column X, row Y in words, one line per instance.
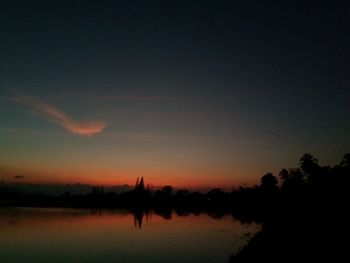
column 82, row 235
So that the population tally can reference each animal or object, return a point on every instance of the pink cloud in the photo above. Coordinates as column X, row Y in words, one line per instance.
column 55, row 115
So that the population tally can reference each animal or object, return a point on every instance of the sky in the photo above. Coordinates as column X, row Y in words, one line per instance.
column 186, row 93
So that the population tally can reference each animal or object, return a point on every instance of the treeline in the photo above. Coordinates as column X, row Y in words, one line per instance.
column 309, row 183
column 304, row 211
column 305, row 217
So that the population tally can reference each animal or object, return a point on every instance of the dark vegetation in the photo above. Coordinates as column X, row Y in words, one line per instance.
column 304, row 211
column 306, row 218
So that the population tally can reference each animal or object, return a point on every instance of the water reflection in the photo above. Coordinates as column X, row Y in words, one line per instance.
column 141, row 214
column 77, row 235
column 138, row 217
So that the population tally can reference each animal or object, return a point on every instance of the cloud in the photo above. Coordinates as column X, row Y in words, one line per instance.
column 18, row 177
column 51, row 113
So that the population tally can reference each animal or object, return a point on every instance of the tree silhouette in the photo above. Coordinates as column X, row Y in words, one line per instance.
column 269, row 181
column 293, row 183
column 312, row 197
column 140, row 185
column 167, row 190
column 308, row 163
column 284, row 175
column 269, row 186
column 268, row 196
column 346, row 160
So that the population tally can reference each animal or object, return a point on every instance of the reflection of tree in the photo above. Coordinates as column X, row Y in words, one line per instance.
column 138, row 218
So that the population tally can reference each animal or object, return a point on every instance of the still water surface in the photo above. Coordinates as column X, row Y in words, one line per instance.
column 77, row 235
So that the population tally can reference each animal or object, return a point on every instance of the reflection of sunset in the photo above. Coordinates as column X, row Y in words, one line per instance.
column 61, row 232
column 95, row 218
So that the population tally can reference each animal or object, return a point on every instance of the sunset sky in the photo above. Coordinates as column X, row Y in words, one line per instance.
column 186, row 93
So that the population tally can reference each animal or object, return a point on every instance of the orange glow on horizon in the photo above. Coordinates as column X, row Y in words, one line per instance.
column 111, row 177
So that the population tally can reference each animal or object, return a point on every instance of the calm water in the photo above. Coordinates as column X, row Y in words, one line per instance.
column 74, row 235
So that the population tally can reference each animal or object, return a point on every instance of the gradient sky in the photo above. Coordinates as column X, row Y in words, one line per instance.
column 187, row 93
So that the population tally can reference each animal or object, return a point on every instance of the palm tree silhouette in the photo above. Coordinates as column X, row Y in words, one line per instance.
column 308, row 164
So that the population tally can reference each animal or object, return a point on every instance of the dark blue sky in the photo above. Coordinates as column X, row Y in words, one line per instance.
column 226, row 89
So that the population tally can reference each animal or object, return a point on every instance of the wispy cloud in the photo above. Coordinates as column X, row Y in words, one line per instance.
column 51, row 113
